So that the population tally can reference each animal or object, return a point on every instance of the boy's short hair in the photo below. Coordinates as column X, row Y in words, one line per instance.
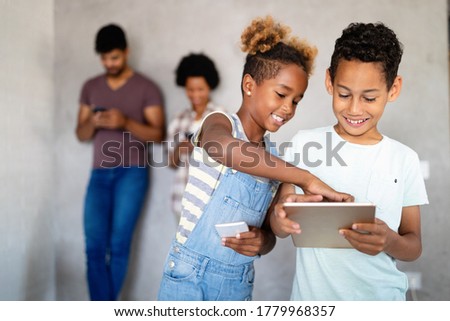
column 110, row 37
column 369, row 42
column 197, row 65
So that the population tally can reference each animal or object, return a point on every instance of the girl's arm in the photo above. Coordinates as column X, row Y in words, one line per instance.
column 406, row 245
column 217, row 140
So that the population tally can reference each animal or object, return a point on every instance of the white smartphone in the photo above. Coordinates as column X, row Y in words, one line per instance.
column 231, row 229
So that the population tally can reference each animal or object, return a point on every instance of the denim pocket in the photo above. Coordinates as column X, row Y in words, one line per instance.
column 235, row 211
column 178, row 270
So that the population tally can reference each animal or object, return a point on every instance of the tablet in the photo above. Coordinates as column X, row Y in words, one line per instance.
column 320, row 222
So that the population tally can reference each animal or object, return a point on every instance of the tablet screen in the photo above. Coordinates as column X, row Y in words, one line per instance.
column 320, row 222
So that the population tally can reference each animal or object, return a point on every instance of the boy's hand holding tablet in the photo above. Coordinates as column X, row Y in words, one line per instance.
column 314, row 223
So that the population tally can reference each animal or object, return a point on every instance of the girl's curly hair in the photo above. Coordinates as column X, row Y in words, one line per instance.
column 269, row 47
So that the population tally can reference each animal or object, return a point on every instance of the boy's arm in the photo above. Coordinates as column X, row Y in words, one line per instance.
column 406, row 245
column 218, row 142
column 281, row 225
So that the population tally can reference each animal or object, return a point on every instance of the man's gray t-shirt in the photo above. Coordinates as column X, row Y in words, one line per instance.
column 114, row 148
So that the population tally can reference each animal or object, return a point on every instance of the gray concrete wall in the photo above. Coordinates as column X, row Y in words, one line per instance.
column 27, row 168
column 160, row 32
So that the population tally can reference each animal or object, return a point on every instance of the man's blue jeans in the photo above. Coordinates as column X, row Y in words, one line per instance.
column 113, row 203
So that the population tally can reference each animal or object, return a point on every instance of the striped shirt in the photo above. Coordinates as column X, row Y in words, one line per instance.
column 183, row 125
column 204, row 178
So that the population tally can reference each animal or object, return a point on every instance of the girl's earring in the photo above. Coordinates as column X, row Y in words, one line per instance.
column 249, row 93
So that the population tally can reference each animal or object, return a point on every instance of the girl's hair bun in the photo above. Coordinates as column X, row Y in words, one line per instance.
column 269, row 46
column 262, row 35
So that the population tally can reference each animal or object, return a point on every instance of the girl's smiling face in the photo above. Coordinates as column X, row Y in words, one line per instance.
column 360, row 95
column 273, row 102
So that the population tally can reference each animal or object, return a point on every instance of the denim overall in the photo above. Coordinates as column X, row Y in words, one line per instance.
column 202, row 268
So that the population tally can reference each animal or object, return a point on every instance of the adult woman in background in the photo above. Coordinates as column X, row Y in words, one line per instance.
column 199, row 76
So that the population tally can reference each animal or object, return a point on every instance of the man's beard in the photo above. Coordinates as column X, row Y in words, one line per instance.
column 115, row 72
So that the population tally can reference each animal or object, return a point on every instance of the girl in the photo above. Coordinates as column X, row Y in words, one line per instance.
column 234, row 175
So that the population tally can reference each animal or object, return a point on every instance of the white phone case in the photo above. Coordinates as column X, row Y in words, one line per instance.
column 231, row 229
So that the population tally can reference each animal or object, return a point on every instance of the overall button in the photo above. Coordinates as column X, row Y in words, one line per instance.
column 171, row 264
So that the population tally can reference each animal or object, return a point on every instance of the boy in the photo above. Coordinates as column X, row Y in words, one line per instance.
column 362, row 79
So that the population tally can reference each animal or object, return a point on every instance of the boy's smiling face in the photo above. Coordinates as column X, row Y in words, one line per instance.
column 360, row 95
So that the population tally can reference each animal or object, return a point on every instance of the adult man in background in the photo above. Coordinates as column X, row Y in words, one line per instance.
column 120, row 110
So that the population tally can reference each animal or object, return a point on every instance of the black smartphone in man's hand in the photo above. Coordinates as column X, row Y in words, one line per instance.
column 98, row 109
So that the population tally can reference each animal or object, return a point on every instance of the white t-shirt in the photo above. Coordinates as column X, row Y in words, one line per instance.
column 387, row 174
